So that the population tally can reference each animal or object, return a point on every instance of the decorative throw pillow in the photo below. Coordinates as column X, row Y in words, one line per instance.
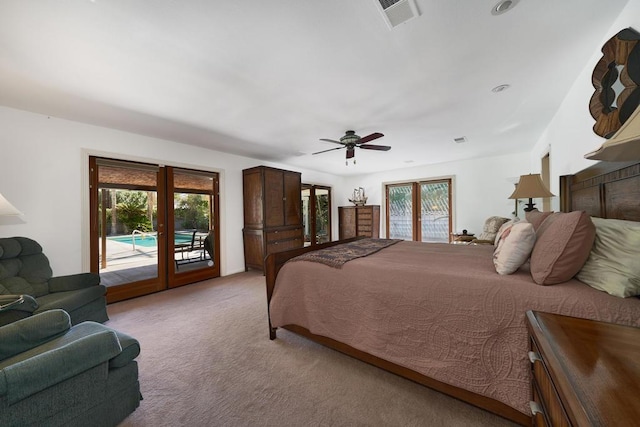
column 536, row 217
column 503, row 227
column 547, row 223
column 614, row 263
column 514, row 247
column 491, row 227
column 562, row 247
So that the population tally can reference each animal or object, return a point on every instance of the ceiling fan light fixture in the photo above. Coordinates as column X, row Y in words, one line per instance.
column 350, row 136
column 351, row 141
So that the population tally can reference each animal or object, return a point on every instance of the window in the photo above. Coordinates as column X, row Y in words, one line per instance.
column 419, row 211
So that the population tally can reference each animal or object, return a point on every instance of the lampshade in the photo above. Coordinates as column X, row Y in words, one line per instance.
column 530, row 187
column 624, row 145
column 6, row 208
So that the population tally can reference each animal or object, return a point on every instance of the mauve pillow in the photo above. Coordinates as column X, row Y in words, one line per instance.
column 562, row 248
column 536, row 218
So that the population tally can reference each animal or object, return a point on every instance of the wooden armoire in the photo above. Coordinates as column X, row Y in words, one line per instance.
column 359, row 221
column 272, row 213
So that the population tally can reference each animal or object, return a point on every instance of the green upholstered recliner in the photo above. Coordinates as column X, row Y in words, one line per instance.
column 25, row 270
column 55, row 374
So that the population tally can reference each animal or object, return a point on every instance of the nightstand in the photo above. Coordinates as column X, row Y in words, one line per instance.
column 585, row 373
column 464, row 238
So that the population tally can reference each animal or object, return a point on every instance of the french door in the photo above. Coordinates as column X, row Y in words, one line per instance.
column 419, row 211
column 152, row 227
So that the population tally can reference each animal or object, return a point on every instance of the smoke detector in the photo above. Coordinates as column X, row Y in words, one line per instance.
column 503, row 6
column 396, row 12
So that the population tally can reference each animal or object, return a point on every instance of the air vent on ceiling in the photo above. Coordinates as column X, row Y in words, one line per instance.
column 397, row 12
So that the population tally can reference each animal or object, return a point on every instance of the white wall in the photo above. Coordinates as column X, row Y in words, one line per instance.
column 480, row 187
column 570, row 136
column 43, row 164
column 43, row 173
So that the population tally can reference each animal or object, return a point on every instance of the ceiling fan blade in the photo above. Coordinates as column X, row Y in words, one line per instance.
column 376, row 147
column 331, row 140
column 350, row 153
column 371, row 137
column 330, row 149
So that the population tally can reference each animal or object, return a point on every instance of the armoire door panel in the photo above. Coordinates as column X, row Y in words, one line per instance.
column 293, row 201
column 252, row 188
column 274, row 195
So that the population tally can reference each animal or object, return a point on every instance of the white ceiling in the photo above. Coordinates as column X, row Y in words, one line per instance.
column 267, row 79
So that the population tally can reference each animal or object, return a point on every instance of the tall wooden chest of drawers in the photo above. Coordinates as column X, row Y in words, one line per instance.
column 359, row 221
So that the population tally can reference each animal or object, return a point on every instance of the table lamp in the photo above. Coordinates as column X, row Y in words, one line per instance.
column 7, row 209
column 530, row 187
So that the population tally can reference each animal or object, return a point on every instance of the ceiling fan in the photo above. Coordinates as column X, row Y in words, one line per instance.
column 350, row 141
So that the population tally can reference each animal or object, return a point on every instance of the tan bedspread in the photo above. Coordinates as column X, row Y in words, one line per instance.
column 438, row 309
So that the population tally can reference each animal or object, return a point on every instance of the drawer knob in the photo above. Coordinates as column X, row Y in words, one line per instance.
column 535, row 408
column 533, row 356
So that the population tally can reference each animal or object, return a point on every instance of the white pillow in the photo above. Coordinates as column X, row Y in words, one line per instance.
column 614, row 262
column 503, row 227
column 514, row 247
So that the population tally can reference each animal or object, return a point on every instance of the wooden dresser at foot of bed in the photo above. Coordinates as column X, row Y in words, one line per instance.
column 585, row 373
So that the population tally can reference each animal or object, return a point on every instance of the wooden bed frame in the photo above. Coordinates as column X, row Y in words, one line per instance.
column 606, row 190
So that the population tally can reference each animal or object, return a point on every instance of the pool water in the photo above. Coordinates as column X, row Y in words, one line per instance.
column 144, row 241
column 149, row 241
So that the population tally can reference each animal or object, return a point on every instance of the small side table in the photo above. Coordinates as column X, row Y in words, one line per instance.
column 462, row 239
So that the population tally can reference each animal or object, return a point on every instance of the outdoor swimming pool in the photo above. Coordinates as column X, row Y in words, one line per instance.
column 149, row 241
column 144, row 241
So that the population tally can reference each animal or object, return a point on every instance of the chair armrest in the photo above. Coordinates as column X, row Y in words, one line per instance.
column 25, row 334
column 29, row 376
column 16, row 307
column 73, row 282
column 9, row 301
column 18, row 302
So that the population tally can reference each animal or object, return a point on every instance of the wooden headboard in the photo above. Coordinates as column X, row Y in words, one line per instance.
column 605, row 190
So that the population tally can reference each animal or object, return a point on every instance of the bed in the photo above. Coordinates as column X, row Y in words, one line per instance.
column 439, row 314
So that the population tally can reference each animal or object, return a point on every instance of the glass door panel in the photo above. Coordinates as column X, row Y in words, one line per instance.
column 400, row 214
column 125, row 237
column 306, row 214
column 322, row 214
column 434, row 211
column 192, row 226
column 316, row 214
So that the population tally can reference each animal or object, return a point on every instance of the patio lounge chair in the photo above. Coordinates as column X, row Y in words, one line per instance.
column 197, row 250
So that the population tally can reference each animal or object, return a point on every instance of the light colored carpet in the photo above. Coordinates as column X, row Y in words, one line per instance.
column 207, row 361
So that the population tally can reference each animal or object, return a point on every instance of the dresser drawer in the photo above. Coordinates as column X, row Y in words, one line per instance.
column 365, row 215
column 544, row 393
column 537, row 409
column 273, row 236
column 283, row 245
